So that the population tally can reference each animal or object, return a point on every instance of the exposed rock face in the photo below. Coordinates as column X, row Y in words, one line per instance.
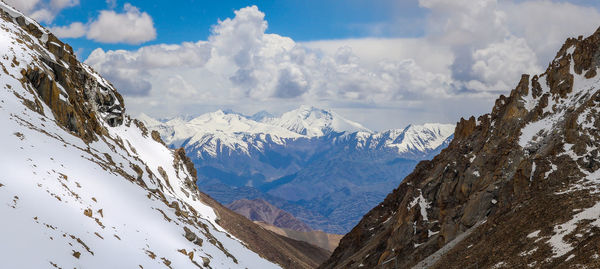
column 75, row 96
column 517, row 187
column 261, row 210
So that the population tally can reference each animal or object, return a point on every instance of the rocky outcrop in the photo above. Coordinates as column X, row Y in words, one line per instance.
column 75, row 94
column 261, row 210
column 517, row 187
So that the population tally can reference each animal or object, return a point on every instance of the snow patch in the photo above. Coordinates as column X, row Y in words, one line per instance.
column 561, row 247
column 423, row 205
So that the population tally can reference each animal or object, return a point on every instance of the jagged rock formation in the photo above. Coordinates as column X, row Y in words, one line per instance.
column 516, row 188
column 84, row 185
column 261, row 210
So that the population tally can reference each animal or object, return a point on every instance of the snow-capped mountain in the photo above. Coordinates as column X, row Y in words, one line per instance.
column 220, row 131
column 284, row 157
column 414, row 140
column 216, row 131
column 84, row 185
column 313, row 122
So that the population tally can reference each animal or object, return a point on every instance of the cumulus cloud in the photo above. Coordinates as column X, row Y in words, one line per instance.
column 130, row 27
column 74, row 30
column 470, row 51
column 42, row 10
column 545, row 25
column 493, row 42
column 246, row 62
column 25, row 6
column 111, row 3
column 123, row 75
column 496, row 66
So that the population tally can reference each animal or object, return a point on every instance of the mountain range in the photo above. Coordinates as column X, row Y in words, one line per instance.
column 313, row 163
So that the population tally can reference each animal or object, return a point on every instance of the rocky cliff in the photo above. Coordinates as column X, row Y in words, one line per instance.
column 516, row 188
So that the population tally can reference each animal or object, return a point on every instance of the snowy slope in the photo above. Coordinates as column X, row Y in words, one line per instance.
column 122, row 200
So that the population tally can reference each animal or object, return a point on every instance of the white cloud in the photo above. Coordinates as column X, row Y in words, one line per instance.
column 60, row 4
column 497, row 65
column 471, row 51
column 42, row 10
column 240, row 60
column 131, row 27
column 545, row 25
column 74, row 30
column 123, row 75
column 371, row 51
column 111, row 3
column 25, row 6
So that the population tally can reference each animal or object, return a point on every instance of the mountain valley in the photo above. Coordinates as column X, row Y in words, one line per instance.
column 325, row 170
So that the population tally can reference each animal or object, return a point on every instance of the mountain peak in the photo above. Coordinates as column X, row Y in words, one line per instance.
column 261, row 116
column 312, row 121
column 147, row 120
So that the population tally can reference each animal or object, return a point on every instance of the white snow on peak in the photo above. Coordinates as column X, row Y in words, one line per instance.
column 149, row 121
column 413, row 138
column 217, row 131
column 311, row 121
column 423, row 137
column 220, row 121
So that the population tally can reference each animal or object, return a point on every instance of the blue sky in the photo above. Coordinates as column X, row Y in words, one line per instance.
column 191, row 20
column 383, row 63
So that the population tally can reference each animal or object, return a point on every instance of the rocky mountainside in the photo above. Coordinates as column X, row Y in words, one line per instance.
column 317, row 238
column 84, row 185
column 516, row 188
column 260, row 210
column 283, row 223
column 324, row 169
